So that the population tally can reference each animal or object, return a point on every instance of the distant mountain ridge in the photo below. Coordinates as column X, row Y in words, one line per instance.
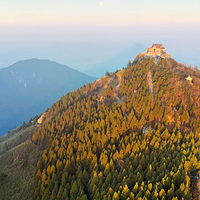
column 28, row 87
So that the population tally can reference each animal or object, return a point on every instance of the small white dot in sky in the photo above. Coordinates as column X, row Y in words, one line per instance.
column 101, row 3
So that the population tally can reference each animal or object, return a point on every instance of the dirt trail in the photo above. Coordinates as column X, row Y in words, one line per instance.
column 117, row 93
column 156, row 60
column 150, row 82
column 195, row 189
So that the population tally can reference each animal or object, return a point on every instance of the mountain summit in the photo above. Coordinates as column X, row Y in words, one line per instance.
column 156, row 51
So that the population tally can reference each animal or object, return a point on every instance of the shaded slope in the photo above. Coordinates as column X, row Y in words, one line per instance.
column 18, row 159
column 28, row 87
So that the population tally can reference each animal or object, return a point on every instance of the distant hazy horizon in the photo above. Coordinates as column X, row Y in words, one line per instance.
column 85, row 34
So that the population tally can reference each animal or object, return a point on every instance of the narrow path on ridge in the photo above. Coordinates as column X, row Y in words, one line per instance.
column 117, row 94
column 118, row 99
column 150, row 82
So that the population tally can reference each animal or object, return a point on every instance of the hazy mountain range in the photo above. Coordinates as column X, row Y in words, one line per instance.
column 28, row 87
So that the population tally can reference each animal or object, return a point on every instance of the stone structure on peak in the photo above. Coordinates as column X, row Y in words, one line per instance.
column 156, row 51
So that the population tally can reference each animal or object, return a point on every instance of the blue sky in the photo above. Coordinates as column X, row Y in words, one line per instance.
column 82, row 34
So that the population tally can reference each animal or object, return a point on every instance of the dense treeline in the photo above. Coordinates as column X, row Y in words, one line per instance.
column 145, row 148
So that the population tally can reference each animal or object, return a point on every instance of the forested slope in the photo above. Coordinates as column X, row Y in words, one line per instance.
column 146, row 147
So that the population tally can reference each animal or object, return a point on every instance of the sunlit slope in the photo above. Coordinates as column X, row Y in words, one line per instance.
column 131, row 134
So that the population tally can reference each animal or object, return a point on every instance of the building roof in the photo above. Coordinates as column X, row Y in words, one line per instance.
column 157, row 45
column 189, row 78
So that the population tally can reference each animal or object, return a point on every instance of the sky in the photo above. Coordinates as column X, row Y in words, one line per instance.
column 84, row 34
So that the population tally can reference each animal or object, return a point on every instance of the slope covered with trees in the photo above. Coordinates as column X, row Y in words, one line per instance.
column 146, row 147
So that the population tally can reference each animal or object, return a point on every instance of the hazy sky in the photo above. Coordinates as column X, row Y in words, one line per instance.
column 82, row 34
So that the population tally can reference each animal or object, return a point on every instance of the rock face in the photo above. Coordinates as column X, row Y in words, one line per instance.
column 41, row 119
column 157, row 50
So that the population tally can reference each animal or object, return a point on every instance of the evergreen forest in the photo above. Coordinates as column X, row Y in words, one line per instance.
column 133, row 134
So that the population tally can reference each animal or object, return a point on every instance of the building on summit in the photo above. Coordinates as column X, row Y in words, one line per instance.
column 157, row 50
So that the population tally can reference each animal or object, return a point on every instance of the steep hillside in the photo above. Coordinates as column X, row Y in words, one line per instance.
column 28, row 87
column 18, row 159
column 133, row 134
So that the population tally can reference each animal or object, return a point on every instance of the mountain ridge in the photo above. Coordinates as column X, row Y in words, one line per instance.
column 116, row 139
column 169, row 117
column 21, row 81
